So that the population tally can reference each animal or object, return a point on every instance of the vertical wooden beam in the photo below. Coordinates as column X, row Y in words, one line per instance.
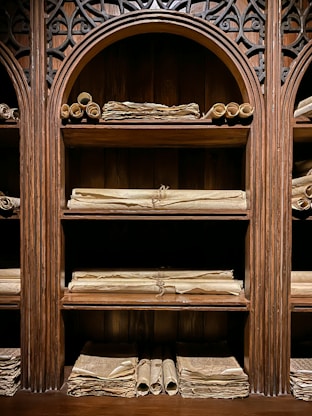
column 35, row 203
column 276, row 183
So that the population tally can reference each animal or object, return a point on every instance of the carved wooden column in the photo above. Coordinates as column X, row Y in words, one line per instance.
column 276, row 185
column 35, row 204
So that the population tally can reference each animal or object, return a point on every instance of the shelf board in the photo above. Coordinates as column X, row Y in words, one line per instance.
column 171, row 302
column 301, row 304
column 154, row 133
column 9, row 301
column 302, row 132
column 80, row 214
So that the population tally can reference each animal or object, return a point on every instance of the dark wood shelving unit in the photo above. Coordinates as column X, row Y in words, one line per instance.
column 166, row 54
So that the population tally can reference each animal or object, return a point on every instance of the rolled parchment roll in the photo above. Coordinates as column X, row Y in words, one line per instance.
column 83, row 99
column 93, row 110
column 143, row 377
column 300, row 203
column 8, row 203
column 217, row 111
column 75, row 111
column 232, row 110
column 65, row 111
column 246, row 110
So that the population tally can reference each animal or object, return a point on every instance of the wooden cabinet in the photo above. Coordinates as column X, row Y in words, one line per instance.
column 155, row 54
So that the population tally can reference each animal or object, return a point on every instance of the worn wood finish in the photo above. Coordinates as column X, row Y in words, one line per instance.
column 137, row 56
column 52, row 403
column 74, row 74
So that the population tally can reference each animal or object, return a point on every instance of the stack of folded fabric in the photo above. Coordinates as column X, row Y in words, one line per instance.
column 115, row 110
column 10, row 371
column 104, row 369
column 10, row 281
column 301, row 378
column 209, row 371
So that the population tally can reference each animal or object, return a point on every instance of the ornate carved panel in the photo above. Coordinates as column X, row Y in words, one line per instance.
column 296, row 30
column 15, row 30
column 69, row 20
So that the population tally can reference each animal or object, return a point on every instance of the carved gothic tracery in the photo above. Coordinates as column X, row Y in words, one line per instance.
column 296, row 30
column 15, row 30
column 68, row 20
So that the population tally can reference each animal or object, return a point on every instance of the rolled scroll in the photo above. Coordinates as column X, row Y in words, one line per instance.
column 156, row 377
column 300, row 203
column 301, row 289
column 75, row 111
column 143, row 377
column 304, row 191
column 232, row 110
column 93, row 110
column 217, row 111
column 65, row 111
column 162, row 198
column 301, row 180
column 246, row 110
column 170, row 374
column 7, row 113
column 8, row 203
column 157, row 282
column 83, row 99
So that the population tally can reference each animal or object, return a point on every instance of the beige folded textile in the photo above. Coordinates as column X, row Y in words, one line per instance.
column 305, row 110
column 301, row 378
column 115, row 110
column 104, row 370
column 8, row 203
column 10, row 371
column 162, row 198
column 209, row 371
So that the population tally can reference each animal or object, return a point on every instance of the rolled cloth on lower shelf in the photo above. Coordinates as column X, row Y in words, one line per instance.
column 162, row 198
column 158, row 282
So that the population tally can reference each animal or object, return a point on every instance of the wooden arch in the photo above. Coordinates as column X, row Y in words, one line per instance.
column 148, row 21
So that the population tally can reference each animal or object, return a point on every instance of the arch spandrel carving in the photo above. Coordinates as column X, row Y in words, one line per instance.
column 68, row 22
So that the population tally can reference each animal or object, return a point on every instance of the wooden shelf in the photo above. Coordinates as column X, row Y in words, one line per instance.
column 301, row 304
column 9, row 301
column 154, row 215
column 154, row 133
column 167, row 302
column 302, row 132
